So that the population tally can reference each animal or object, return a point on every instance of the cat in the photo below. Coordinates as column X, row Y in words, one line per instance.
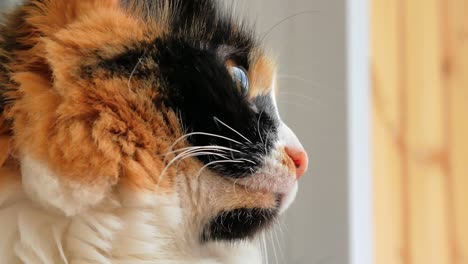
column 139, row 132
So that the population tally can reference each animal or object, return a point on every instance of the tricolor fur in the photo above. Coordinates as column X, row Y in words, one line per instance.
column 125, row 139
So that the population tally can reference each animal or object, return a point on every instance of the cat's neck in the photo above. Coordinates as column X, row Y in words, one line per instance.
column 127, row 228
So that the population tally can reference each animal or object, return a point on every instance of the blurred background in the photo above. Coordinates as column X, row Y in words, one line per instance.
column 420, row 130
column 377, row 91
column 309, row 39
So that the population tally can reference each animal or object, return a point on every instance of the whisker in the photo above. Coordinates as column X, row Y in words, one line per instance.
column 302, row 96
column 217, row 162
column 265, row 35
column 188, row 150
column 169, row 164
column 298, row 78
column 176, row 158
column 204, row 134
column 196, row 154
column 258, row 244
column 210, row 147
column 274, row 247
column 194, row 149
column 264, row 244
column 234, row 185
column 247, row 160
column 258, row 127
column 235, row 131
column 275, row 233
column 265, row 145
column 133, row 71
column 204, row 153
column 187, row 154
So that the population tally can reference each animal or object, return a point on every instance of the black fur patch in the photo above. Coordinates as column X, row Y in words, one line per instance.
column 2, row 103
column 238, row 224
column 201, row 88
column 12, row 32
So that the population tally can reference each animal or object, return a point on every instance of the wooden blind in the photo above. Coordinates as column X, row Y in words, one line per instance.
column 420, row 130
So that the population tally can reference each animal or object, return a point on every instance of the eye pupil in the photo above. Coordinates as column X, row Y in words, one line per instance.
column 241, row 78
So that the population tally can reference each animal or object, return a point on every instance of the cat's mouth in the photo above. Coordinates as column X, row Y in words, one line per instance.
column 285, row 191
column 265, row 194
column 267, row 183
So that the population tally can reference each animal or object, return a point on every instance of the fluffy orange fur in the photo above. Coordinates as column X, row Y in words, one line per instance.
column 84, row 125
column 261, row 74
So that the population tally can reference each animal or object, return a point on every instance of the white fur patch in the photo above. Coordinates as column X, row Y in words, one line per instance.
column 241, row 252
column 131, row 228
column 44, row 187
column 289, row 197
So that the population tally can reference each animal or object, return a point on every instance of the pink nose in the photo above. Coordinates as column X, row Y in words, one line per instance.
column 300, row 159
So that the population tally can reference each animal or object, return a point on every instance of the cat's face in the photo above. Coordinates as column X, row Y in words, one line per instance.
column 168, row 98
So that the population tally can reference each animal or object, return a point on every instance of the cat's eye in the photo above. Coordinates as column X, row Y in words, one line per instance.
column 241, row 79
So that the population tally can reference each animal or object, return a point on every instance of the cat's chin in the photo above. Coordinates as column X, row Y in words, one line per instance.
column 288, row 198
column 240, row 224
column 245, row 223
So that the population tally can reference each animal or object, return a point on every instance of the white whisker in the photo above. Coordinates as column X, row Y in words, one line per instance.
column 176, row 158
column 279, row 243
column 247, row 160
column 235, row 131
column 217, row 162
column 194, row 149
column 258, row 127
column 302, row 97
column 204, row 134
column 274, row 247
column 296, row 77
column 196, row 154
column 133, row 72
column 265, row 145
column 265, row 248
column 211, row 147
column 234, row 185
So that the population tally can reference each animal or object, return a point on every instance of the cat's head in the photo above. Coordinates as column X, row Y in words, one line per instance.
column 157, row 97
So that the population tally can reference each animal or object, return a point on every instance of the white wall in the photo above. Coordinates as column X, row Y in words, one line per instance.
column 360, row 183
column 313, row 101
